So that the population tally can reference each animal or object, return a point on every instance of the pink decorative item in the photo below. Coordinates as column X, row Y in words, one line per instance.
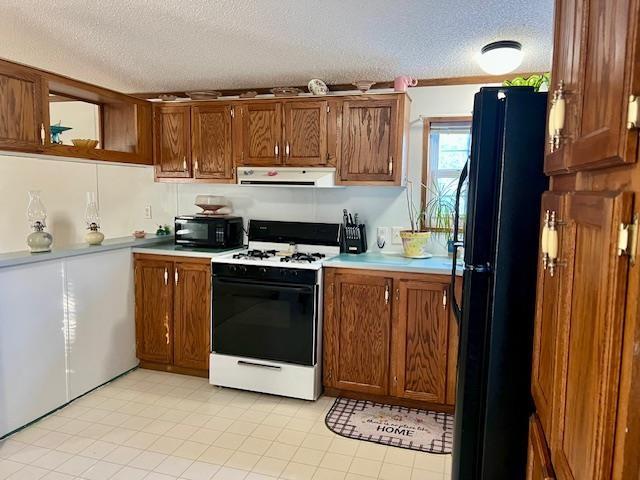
column 401, row 83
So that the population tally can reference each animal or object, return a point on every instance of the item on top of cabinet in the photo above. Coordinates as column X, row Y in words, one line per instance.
column 39, row 240
column 166, row 97
column 354, row 234
column 84, row 143
column 139, row 234
column 539, row 82
column 204, row 95
column 249, row 94
column 401, row 83
column 317, row 87
column 363, row 85
column 286, row 91
column 92, row 217
column 212, row 204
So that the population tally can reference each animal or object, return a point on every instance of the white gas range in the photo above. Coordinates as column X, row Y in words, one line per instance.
column 267, row 309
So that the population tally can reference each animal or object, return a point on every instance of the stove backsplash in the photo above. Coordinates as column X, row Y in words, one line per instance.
column 376, row 206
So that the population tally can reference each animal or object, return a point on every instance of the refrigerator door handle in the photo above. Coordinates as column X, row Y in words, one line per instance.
column 457, row 309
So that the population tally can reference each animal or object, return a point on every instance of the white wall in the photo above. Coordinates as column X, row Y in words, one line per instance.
column 123, row 191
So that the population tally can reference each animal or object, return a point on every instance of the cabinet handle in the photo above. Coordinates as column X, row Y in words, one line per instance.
column 166, row 277
column 552, row 244
column 397, row 294
column 557, row 115
column 166, row 328
column 42, row 133
column 184, row 163
column 276, row 150
column 544, row 240
column 175, row 276
column 444, row 298
column 386, row 295
column 633, row 117
column 195, row 165
column 391, row 165
column 286, row 150
column 233, row 112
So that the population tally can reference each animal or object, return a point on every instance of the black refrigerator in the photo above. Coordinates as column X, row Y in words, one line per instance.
column 496, row 310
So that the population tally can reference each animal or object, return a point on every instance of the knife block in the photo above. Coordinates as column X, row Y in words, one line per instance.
column 354, row 238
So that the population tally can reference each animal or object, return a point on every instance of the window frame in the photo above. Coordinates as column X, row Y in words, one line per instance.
column 426, row 135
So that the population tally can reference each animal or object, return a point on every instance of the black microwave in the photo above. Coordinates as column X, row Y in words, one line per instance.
column 203, row 231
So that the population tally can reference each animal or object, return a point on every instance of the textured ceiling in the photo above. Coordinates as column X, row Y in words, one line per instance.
column 154, row 45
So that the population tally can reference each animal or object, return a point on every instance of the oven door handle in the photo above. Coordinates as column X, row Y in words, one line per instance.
column 264, row 286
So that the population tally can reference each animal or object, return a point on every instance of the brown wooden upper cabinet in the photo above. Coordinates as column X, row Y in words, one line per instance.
column 21, row 109
column 305, row 133
column 173, row 313
column 287, row 133
column 597, row 74
column 372, row 141
column 172, row 142
column 212, row 141
column 261, row 133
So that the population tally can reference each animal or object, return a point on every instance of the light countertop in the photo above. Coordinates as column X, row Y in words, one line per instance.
column 178, row 251
column 24, row 257
column 394, row 262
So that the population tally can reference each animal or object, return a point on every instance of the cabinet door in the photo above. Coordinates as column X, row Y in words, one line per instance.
column 261, row 133
column 192, row 325
column 565, row 70
column 21, row 103
column 553, row 296
column 590, row 341
column 154, row 310
column 420, row 345
column 172, row 150
column 305, row 127
column 211, row 154
column 369, row 141
column 538, row 461
column 601, row 134
column 357, row 332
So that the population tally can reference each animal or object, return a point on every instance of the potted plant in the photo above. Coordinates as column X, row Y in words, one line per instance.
column 436, row 217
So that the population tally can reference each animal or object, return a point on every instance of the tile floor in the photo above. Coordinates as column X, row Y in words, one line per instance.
column 161, row 426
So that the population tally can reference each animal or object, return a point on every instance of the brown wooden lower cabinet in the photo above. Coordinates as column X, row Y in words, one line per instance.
column 389, row 334
column 173, row 313
column 539, row 461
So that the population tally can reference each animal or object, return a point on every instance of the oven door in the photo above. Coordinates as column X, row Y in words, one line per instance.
column 265, row 320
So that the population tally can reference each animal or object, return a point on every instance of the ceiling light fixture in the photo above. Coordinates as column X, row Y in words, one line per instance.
column 498, row 58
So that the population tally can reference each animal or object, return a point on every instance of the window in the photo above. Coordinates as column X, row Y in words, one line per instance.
column 447, row 144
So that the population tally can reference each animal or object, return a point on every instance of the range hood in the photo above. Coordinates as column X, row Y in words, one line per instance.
column 318, row 177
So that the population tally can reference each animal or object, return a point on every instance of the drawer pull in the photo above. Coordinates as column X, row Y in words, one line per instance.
column 244, row 363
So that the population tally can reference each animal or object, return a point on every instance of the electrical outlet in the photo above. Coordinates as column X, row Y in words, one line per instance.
column 382, row 236
column 147, row 212
column 395, row 236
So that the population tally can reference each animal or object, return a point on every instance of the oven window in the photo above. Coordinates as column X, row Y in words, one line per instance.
column 264, row 321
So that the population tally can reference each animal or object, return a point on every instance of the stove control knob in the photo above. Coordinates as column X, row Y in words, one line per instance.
column 233, row 268
column 262, row 270
column 242, row 269
column 294, row 273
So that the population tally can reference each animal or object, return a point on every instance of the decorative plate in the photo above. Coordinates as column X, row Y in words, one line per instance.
column 285, row 91
column 249, row 94
column 318, row 87
column 204, row 95
column 167, row 97
column 363, row 85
